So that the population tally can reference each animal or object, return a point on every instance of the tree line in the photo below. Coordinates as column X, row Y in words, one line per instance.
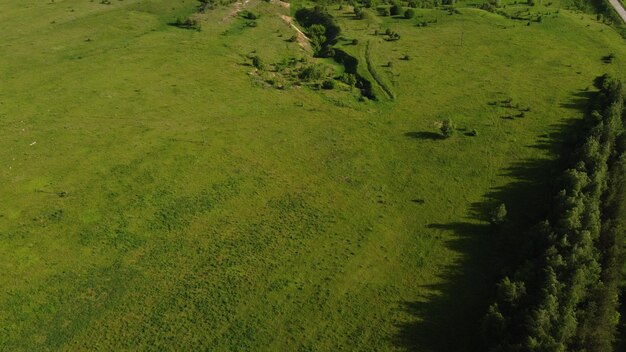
column 564, row 295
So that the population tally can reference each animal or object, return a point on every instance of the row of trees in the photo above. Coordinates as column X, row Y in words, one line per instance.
column 564, row 295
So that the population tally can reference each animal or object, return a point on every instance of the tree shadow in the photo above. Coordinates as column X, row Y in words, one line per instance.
column 424, row 135
column 450, row 318
column 580, row 100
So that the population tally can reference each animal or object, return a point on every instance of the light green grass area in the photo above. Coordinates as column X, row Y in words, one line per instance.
column 155, row 196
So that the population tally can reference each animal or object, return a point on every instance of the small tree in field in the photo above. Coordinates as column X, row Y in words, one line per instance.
column 447, row 128
column 408, row 14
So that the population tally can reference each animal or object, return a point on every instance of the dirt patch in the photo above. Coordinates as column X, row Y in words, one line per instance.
column 237, row 7
column 281, row 3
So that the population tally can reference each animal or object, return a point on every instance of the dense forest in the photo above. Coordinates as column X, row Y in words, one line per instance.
column 565, row 295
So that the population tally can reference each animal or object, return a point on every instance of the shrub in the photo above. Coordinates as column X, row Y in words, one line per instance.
column 447, row 128
column 395, row 9
column 328, row 84
column 311, row 73
column 383, row 11
column 257, row 62
column 249, row 15
column 187, row 23
column 355, row 41
column 408, row 14
column 391, row 35
column 348, row 79
column 358, row 12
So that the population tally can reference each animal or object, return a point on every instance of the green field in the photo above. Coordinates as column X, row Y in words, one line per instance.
column 157, row 195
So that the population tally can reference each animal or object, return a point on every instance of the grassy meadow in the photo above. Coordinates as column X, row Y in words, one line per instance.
column 156, row 195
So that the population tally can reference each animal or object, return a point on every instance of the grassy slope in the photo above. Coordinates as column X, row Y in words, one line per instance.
column 204, row 211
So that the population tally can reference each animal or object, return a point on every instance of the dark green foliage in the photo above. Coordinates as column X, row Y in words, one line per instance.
column 410, row 13
column 564, row 297
column 384, row 11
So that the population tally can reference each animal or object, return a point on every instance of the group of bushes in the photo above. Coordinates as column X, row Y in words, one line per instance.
column 321, row 29
column 563, row 296
column 323, row 32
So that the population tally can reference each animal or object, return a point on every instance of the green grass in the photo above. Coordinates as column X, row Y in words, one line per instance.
column 203, row 211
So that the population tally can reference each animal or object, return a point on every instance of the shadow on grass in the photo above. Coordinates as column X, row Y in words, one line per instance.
column 450, row 318
column 424, row 135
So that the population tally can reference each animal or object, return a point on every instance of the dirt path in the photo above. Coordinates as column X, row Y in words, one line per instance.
column 374, row 74
column 619, row 8
column 301, row 37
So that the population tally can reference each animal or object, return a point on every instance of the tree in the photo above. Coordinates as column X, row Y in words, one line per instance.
column 447, row 128
column 408, row 14
column 498, row 215
column 317, row 35
column 494, row 323
column 510, row 291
